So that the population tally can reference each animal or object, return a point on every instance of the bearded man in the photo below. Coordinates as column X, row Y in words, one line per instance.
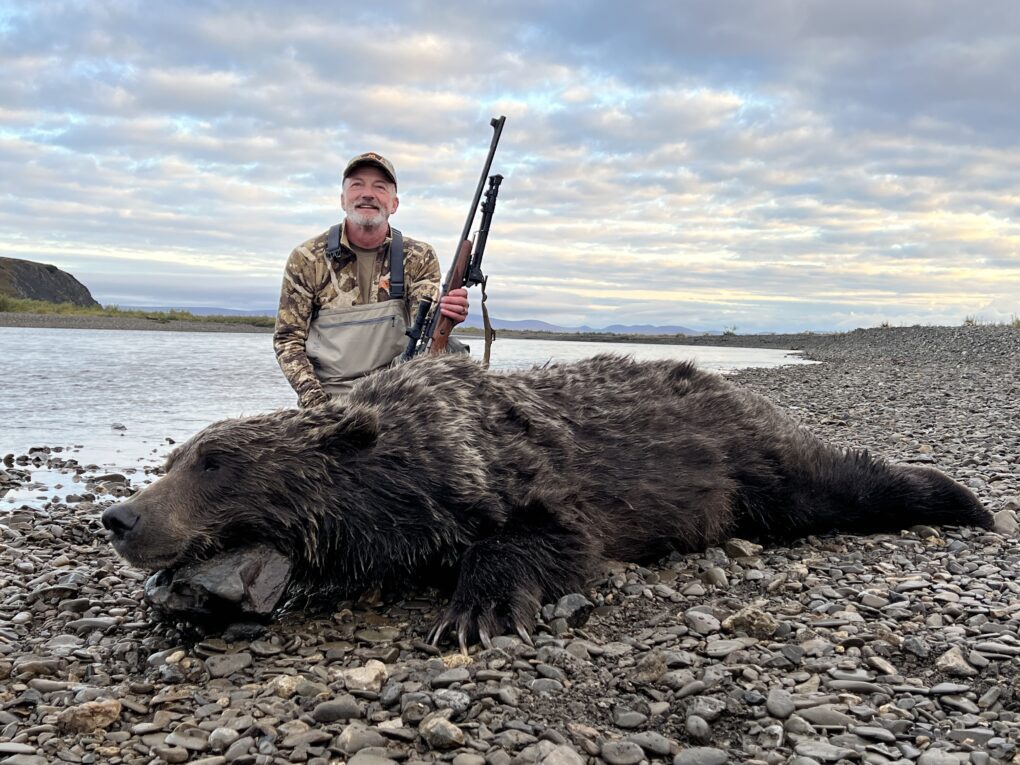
column 348, row 294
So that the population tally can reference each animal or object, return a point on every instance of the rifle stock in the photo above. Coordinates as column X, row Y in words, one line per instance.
column 445, row 325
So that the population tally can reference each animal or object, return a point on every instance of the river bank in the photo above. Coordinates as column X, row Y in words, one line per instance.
column 879, row 649
column 872, row 342
column 76, row 321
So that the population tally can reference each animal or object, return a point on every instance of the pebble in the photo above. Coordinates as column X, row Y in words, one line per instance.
column 780, row 704
column 343, row 707
column 439, row 733
column 701, row 755
column 877, row 649
column 622, row 753
column 227, row 664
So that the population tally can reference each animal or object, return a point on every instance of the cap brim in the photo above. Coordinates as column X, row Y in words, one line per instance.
column 370, row 163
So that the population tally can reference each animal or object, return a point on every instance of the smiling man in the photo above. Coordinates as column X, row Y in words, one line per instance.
column 348, row 294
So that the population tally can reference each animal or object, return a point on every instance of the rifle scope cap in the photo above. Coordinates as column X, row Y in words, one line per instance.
column 371, row 159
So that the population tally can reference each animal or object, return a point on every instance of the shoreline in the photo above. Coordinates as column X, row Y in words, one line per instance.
column 71, row 321
column 890, row 648
column 815, row 345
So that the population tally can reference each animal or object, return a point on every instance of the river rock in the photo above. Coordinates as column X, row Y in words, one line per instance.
column 90, row 716
column 233, row 586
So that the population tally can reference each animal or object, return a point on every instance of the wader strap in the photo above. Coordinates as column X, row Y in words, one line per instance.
column 396, row 257
column 333, row 241
column 396, row 264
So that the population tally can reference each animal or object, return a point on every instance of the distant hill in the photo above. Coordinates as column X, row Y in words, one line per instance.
column 40, row 281
column 474, row 320
column 534, row 325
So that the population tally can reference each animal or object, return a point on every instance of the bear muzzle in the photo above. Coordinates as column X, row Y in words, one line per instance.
column 131, row 536
column 119, row 520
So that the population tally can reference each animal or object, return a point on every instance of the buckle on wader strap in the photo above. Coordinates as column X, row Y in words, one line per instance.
column 396, row 255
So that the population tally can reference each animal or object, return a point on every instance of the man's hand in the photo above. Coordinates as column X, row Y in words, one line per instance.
column 455, row 305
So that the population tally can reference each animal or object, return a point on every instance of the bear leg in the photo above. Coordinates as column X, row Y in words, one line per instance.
column 504, row 579
column 855, row 492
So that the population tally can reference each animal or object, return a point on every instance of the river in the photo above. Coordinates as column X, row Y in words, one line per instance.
column 118, row 399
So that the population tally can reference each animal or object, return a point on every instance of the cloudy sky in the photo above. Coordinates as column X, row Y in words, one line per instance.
column 782, row 165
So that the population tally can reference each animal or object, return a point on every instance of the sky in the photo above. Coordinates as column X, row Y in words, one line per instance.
column 755, row 166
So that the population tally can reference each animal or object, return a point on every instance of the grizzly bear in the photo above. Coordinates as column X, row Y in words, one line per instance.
column 518, row 485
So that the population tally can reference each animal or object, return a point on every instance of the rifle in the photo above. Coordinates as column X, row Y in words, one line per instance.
column 430, row 332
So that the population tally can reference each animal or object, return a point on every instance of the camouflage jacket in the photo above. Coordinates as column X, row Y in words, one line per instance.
column 312, row 282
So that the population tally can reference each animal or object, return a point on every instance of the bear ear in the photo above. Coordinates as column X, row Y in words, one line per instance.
column 354, row 428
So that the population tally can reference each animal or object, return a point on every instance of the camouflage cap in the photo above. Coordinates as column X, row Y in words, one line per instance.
column 374, row 160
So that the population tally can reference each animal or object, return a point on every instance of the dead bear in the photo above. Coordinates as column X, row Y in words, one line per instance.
column 516, row 484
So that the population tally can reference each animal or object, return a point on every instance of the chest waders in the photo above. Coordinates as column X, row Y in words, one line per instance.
column 345, row 344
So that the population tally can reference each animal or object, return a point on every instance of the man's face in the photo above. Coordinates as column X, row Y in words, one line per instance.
column 368, row 198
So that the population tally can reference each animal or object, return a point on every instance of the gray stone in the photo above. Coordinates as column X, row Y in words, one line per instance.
column 698, row 729
column 622, row 753
column 221, row 738
column 440, row 733
column 940, row 757
column 741, row 548
column 368, row 758
column 823, row 751
column 779, row 703
column 26, row 759
column 189, row 737
column 1006, row 523
column 826, row 716
column 231, row 586
column 456, row 701
column 628, row 718
column 874, row 733
column 707, row 707
column 356, row 737
column 225, row 664
column 655, row 744
column 9, row 747
column 701, row 755
column 563, row 754
column 701, row 622
column 718, row 649
column 343, row 707
column 955, row 664
column 451, row 676
column 574, row 608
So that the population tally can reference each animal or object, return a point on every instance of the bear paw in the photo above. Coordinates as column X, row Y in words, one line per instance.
column 483, row 619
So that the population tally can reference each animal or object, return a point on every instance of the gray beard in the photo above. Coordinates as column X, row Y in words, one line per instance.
column 366, row 220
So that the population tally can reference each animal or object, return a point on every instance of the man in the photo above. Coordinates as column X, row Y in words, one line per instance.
column 348, row 293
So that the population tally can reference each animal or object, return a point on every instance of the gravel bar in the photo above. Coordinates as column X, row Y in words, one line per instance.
column 892, row 648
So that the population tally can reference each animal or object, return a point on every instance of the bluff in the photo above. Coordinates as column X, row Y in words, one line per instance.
column 41, row 281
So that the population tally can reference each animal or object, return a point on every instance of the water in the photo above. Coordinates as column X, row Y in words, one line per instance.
column 69, row 388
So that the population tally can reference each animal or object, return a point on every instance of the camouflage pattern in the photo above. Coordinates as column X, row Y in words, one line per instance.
column 312, row 282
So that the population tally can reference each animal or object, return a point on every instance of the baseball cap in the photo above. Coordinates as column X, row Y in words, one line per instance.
column 374, row 160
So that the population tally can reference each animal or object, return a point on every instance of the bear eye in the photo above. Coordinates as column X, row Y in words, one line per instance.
column 209, row 465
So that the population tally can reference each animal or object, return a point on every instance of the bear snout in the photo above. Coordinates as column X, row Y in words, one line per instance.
column 120, row 519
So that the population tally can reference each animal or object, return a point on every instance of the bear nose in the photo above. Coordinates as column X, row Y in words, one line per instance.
column 120, row 519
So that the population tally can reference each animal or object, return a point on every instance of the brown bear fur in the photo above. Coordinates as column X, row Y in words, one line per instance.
column 518, row 484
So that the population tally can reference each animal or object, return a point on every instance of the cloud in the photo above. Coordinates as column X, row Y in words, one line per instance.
column 787, row 165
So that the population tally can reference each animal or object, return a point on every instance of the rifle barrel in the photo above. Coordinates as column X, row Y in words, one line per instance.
column 497, row 126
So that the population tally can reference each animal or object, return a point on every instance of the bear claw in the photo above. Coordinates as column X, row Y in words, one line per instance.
column 525, row 635
column 486, row 640
column 437, row 632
